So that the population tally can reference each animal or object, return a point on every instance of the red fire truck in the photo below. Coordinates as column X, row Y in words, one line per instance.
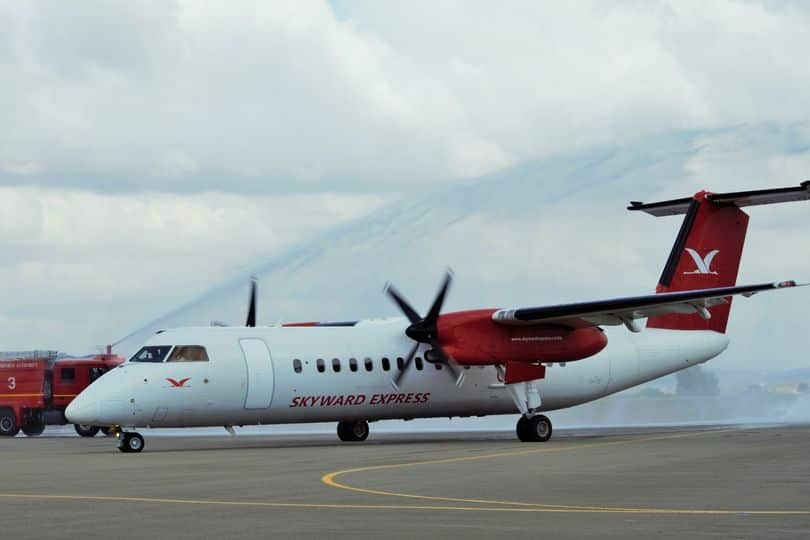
column 37, row 386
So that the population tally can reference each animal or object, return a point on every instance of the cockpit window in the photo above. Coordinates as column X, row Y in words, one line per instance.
column 188, row 353
column 152, row 353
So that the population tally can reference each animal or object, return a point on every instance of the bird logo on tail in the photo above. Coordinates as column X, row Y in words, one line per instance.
column 704, row 264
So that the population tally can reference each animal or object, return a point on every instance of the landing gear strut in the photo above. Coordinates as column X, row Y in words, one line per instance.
column 534, row 429
column 130, row 442
column 353, row 431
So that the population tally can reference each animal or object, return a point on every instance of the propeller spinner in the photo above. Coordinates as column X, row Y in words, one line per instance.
column 424, row 330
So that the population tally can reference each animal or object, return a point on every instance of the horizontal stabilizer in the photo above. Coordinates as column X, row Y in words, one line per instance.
column 738, row 199
column 618, row 311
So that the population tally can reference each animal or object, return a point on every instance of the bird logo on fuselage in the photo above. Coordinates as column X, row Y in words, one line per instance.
column 178, row 384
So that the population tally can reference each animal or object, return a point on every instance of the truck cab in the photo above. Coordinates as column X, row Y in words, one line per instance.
column 37, row 386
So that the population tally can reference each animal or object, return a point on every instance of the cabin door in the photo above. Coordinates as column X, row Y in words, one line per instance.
column 260, row 379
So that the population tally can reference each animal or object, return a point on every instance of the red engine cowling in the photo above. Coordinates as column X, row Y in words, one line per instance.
column 473, row 338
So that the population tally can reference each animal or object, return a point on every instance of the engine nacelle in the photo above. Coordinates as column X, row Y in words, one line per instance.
column 473, row 338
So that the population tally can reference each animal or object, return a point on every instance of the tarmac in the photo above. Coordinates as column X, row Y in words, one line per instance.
column 712, row 482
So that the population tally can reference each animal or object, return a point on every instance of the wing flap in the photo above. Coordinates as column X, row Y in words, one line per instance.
column 619, row 311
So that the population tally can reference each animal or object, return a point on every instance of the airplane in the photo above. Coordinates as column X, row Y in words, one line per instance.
column 526, row 360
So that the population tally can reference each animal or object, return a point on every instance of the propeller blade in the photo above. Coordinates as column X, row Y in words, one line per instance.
column 436, row 308
column 424, row 330
column 400, row 374
column 441, row 357
column 444, row 359
column 251, row 316
column 403, row 304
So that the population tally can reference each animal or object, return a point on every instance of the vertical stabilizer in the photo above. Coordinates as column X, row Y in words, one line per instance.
column 709, row 247
column 706, row 254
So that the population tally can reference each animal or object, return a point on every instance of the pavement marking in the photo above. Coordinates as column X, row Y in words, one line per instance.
column 330, row 480
column 470, row 505
column 327, row 506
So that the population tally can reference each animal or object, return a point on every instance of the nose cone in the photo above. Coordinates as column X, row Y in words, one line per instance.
column 84, row 409
column 103, row 403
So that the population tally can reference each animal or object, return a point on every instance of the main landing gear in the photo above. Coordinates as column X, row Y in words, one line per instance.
column 531, row 427
column 534, row 429
column 130, row 442
column 353, row 431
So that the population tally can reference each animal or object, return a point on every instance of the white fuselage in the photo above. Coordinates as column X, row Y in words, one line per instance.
column 250, row 377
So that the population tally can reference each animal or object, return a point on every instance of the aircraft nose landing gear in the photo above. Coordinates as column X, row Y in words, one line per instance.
column 534, row 429
column 130, row 442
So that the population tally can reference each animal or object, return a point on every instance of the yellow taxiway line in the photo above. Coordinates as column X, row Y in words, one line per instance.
column 458, row 504
column 411, row 507
column 330, row 480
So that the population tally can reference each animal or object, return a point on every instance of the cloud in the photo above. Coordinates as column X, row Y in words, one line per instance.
column 82, row 269
column 190, row 97
column 386, row 96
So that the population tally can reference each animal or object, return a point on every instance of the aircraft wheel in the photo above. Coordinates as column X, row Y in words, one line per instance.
column 541, row 428
column 8, row 424
column 85, row 431
column 131, row 442
column 33, row 429
column 523, row 430
column 106, row 431
column 534, row 429
column 353, row 431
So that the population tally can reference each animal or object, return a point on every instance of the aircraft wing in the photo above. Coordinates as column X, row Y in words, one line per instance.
column 618, row 311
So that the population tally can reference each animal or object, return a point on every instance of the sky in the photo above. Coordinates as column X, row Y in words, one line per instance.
column 153, row 151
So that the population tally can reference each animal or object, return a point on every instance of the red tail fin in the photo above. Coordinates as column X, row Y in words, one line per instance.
column 706, row 255
column 709, row 247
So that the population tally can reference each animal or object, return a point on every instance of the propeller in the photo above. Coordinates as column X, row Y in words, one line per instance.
column 424, row 330
column 251, row 316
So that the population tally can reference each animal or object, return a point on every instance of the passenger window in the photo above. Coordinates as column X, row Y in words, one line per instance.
column 321, row 367
column 68, row 374
column 400, row 363
column 188, row 353
column 353, row 364
column 336, row 365
column 419, row 364
column 386, row 364
column 369, row 364
column 297, row 365
column 152, row 353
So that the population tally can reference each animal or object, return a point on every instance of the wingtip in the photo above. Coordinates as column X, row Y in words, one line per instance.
column 790, row 283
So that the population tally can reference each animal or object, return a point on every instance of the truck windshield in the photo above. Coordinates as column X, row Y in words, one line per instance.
column 152, row 353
